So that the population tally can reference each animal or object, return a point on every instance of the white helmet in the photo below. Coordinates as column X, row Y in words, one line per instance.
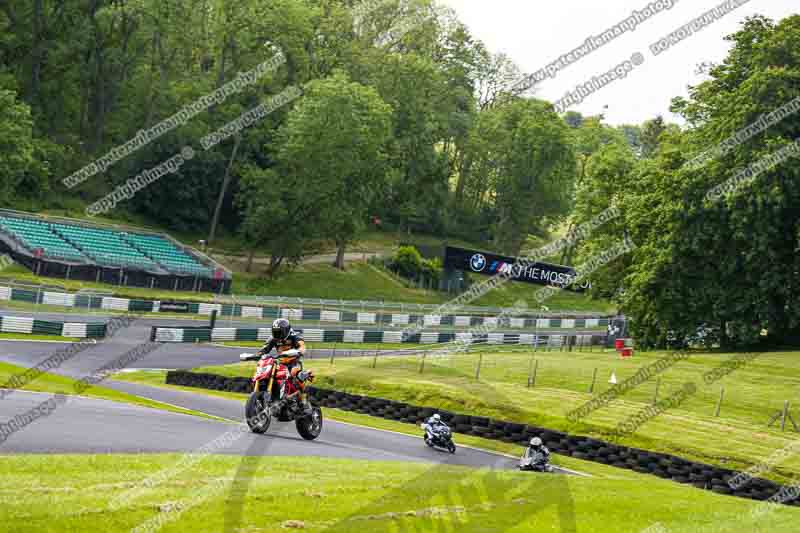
column 437, row 417
column 536, row 441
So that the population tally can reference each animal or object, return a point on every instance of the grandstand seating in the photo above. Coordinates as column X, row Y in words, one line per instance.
column 37, row 235
column 105, row 247
column 167, row 254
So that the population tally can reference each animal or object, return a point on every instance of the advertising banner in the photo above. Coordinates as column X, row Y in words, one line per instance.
column 492, row 264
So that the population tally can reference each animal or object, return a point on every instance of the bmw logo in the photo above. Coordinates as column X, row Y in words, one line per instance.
column 477, row 262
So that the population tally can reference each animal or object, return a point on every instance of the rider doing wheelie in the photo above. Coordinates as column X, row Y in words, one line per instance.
column 291, row 348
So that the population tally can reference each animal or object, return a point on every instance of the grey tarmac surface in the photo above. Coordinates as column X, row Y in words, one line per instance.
column 84, row 425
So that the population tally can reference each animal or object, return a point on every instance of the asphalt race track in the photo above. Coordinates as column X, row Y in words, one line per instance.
column 84, row 425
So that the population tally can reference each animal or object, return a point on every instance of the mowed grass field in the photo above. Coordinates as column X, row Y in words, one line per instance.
column 222, row 493
column 737, row 438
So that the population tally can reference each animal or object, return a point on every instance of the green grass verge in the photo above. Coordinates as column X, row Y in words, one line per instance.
column 35, row 337
column 52, row 383
column 738, row 438
column 73, row 492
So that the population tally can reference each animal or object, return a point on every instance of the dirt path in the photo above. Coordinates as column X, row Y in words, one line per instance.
column 308, row 260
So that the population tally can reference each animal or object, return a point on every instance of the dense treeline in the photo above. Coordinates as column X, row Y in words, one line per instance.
column 730, row 263
column 405, row 117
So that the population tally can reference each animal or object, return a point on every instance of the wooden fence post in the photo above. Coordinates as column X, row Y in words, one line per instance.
column 719, row 402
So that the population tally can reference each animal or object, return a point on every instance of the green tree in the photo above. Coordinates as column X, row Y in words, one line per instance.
column 17, row 157
column 650, row 135
column 730, row 263
column 329, row 167
column 525, row 149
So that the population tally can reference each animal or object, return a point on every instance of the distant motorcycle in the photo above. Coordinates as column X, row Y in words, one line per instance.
column 276, row 395
column 534, row 462
column 439, row 436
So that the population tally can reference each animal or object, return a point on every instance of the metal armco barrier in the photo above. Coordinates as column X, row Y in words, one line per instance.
column 109, row 303
column 11, row 324
column 166, row 334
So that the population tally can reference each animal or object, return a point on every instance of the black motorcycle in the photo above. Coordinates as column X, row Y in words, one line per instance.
column 534, row 462
column 439, row 436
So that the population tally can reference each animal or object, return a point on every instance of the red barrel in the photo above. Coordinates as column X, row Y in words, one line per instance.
column 627, row 352
column 619, row 344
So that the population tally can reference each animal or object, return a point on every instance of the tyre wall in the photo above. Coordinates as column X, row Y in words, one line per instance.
column 700, row 475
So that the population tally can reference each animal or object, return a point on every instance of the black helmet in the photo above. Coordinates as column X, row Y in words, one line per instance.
column 281, row 329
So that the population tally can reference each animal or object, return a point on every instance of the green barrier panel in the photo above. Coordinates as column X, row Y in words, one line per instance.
column 311, row 314
column 447, row 320
column 22, row 295
column 246, row 334
column 141, row 305
column 373, row 336
column 555, row 322
column 446, row 337
column 194, row 308
column 332, row 336
column 95, row 330
column 88, row 302
column 227, row 310
column 197, row 335
column 43, row 327
column 348, row 316
column 603, row 322
column 580, row 322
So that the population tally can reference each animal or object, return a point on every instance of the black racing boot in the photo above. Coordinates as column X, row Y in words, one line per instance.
column 305, row 404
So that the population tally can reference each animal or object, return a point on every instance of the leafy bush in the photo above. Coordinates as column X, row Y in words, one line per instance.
column 407, row 262
column 432, row 269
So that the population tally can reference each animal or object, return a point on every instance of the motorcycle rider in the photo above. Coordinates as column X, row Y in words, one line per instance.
column 435, row 420
column 536, row 446
column 284, row 338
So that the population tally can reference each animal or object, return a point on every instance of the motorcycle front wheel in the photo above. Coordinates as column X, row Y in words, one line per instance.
column 309, row 427
column 451, row 447
column 256, row 412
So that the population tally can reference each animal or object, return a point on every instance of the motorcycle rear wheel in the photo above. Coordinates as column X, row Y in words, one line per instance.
column 256, row 412
column 309, row 427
